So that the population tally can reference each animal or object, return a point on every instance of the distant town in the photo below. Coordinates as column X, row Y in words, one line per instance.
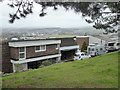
column 8, row 33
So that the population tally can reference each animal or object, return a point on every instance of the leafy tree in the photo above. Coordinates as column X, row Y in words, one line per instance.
column 93, row 12
column 84, row 47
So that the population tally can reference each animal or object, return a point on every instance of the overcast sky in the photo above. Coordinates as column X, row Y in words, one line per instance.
column 59, row 18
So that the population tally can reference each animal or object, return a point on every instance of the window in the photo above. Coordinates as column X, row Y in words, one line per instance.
column 40, row 48
column 101, row 49
column 97, row 50
column 76, row 55
column 82, row 54
column 110, row 44
column 118, row 44
column 22, row 53
column 86, row 54
column 88, row 49
column 92, row 49
column 22, row 49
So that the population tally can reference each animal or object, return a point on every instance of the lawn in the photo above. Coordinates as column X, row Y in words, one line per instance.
column 97, row 72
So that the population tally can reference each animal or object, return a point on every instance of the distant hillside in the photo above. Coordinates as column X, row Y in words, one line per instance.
column 8, row 33
column 89, row 30
column 97, row 72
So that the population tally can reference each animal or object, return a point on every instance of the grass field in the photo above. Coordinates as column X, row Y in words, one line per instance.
column 97, row 72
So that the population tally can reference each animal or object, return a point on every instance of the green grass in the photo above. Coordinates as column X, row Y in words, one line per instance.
column 59, row 36
column 97, row 72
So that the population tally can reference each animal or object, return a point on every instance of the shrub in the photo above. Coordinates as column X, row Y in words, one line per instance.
column 84, row 47
column 47, row 62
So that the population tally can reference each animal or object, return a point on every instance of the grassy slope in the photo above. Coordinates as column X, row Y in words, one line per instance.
column 101, row 71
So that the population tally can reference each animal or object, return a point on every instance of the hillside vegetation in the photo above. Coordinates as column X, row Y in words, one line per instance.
column 97, row 72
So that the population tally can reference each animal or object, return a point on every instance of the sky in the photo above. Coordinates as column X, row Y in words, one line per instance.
column 59, row 18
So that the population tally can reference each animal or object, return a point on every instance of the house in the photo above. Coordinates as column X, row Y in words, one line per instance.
column 29, row 54
column 18, row 55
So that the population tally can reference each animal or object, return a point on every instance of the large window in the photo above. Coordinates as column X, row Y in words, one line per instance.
column 22, row 53
column 40, row 48
column 110, row 44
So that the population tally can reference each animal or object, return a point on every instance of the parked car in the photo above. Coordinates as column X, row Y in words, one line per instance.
column 96, row 50
column 81, row 55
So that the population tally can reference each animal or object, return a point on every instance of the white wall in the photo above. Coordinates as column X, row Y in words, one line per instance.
column 20, row 67
column 93, row 40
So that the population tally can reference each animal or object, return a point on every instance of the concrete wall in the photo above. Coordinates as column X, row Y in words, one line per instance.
column 20, row 67
column 94, row 40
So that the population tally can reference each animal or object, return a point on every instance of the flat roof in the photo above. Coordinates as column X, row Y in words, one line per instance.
column 33, row 43
column 68, row 41
column 82, row 36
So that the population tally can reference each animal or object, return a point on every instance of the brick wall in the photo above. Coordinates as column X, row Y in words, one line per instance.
column 14, row 53
column 81, row 40
column 30, row 52
column 50, row 49
column 6, row 64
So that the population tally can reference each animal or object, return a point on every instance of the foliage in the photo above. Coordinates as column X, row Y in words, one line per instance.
column 97, row 72
column 23, row 9
column 46, row 62
column 100, row 18
column 84, row 47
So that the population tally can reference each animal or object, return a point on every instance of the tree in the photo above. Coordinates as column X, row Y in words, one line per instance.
column 84, row 47
column 101, row 19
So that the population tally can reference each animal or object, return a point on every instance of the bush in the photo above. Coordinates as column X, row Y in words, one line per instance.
column 84, row 47
column 46, row 63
